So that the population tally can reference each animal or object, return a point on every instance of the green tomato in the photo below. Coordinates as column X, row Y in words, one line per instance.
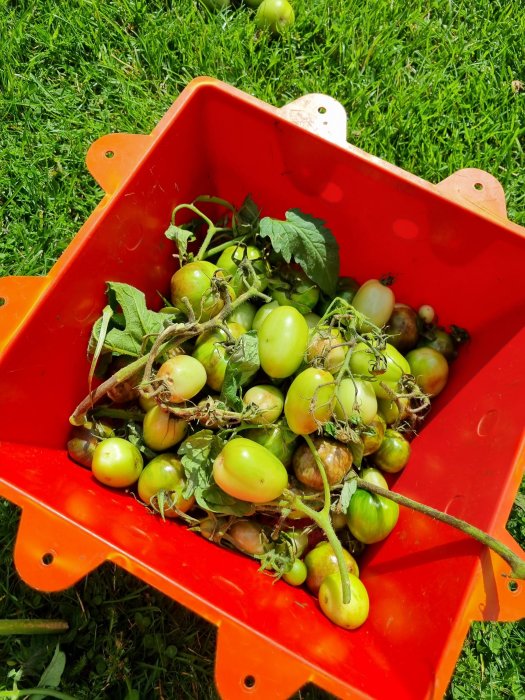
column 244, row 315
column 310, row 400
column 373, row 436
column 194, row 282
column 312, row 319
column 279, row 439
column 212, row 354
column 297, row 573
column 355, row 399
column 375, row 301
column 116, row 462
column 393, row 411
column 268, row 400
column 393, row 453
column 371, row 518
column 262, row 313
column 363, row 362
column 162, row 430
column 440, row 340
column 275, row 15
column 297, row 290
column 429, row 368
column 248, row 471
column 326, row 346
column 230, row 261
column 283, row 339
column 348, row 615
column 162, row 483
column 183, row 376
column 321, row 561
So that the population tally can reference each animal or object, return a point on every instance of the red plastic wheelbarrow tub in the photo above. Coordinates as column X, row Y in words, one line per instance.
column 449, row 245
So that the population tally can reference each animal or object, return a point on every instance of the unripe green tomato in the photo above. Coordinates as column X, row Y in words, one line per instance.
column 147, row 402
column 212, row 354
column 297, row 290
column 371, row 518
column 243, row 315
column 310, row 400
column 312, row 319
column 297, row 573
column 348, row 615
column 326, row 344
column 193, row 281
column 393, row 453
column 262, row 313
column 298, row 540
column 117, row 462
column 248, row 471
column 362, row 362
column 373, row 437
column 356, row 398
column 183, row 376
column 283, row 339
column 268, row 400
column 429, row 368
column 321, row 561
column 275, row 15
column 375, row 301
column 279, row 439
column 232, row 257
column 164, row 474
column 443, row 342
column 393, row 411
column 162, row 430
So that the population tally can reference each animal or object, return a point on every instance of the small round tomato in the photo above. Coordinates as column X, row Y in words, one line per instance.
column 230, row 261
column 162, row 430
column 443, row 342
column 279, row 439
column 402, row 328
column 371, row 518
column 183, row 376
column 375, row 301
column 429, row 368
column 296, row 574
column 162, row 484
column 364, row 362
column 248, row 471
column 117, row 462
column 321, row 561
column 326, row 347
column 296, row 290
column 83, row 441
column 355, row 399
column 348, row 615
column 310, row 400
column 393, row 453
column 283, row 339
column 335, row 457
column 268, row 401
column 193, row 281
column 275, row 15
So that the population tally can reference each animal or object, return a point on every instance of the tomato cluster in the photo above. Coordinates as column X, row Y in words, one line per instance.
column 278, row 394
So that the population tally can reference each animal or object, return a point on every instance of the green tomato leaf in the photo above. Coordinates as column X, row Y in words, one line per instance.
column 357, row 449
column 213, row 498
column 243, row 363
column 306, row 240
column 182, row 237
column 247, row 218
column 130, row 325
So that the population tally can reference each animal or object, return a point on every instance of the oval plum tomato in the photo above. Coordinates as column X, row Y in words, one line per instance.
column 162, row 430
column 211, row 352
column 310, row 400
column 321, row 561
column 371, row 518
column 248, row 471
column 244, row 315
column 348, row 615
column 279, row 439
column 275, row 15
column 117, row 462
column 375, row 301
column 326, row 348
column 268, row 400
column 393, row 453
column 296, row 574
column 183, row 376
column 363, row 362
column 230, row 261
column 430, row 370
column 335, row 457
column 193, row 281
column 247, row 536
column 373, row 436
column 262, row 313
column 161, row 485
column 355, row 399
column 402, row 328
column 393, row 411
column 283, row 338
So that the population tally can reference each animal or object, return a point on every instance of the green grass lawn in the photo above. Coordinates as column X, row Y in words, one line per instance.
column 430, row 85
